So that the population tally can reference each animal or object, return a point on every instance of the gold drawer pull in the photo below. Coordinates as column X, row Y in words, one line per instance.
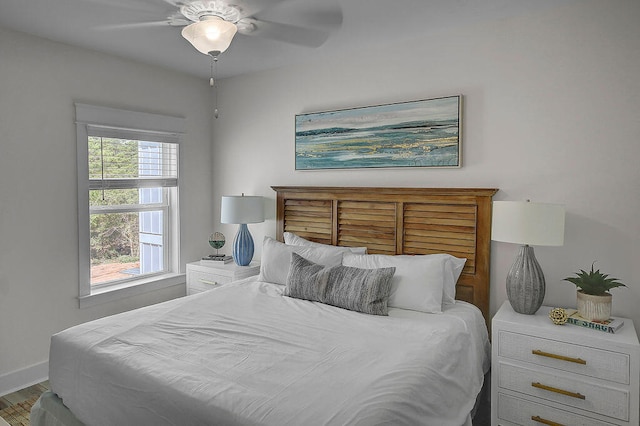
column 556, row 390
column 545, row 421
column 561, row 357
column 208, row 282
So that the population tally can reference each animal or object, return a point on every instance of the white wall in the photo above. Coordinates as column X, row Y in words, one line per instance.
column 39, row 83
column 550, row 114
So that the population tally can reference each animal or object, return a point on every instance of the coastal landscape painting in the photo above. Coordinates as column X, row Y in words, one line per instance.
column 425, row 133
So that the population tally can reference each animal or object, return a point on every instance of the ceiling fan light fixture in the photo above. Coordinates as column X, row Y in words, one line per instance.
column 210, row 34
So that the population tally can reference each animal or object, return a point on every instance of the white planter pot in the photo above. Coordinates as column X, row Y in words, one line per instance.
column 594, row 308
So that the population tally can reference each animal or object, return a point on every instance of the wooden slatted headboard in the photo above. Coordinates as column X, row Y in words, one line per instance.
column 398, row 221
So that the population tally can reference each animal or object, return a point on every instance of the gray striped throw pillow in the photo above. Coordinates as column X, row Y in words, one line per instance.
column 356, row 289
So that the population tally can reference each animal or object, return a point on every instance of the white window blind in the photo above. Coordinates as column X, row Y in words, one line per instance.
column 121, row 159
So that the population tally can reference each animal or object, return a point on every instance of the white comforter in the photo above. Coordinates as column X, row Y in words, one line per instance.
column 243, row 354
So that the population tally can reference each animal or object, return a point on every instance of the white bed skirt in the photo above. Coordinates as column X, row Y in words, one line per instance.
column 50, row 411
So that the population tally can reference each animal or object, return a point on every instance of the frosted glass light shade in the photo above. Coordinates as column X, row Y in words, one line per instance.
column 212, row 34
column 522, row 222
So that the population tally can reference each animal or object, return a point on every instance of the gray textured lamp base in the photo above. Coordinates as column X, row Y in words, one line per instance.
column 525, row 282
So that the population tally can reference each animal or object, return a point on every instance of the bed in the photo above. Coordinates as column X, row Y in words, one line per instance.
column 274, row 350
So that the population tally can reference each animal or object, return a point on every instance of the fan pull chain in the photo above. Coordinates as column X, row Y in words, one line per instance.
column 212, row 83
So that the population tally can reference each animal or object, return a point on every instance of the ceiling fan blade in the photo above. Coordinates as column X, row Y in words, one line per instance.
column 175, row 3
column 323, row 15
column 175, row 20
column 139, row 5
column 134, row 25
column 252, row 7
column 308, row 37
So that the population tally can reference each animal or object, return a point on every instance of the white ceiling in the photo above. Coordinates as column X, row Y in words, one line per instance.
column 366, row 23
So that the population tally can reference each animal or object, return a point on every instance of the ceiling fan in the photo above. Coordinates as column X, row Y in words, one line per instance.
column 210, row 25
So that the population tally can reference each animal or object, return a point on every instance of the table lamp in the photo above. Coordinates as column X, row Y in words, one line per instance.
column 526, row 223
column 241, row 210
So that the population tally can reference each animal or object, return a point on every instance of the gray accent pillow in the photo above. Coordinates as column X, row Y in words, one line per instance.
column 356, row 289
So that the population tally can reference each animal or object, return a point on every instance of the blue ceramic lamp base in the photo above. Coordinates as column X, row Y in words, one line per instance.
column 243, row 246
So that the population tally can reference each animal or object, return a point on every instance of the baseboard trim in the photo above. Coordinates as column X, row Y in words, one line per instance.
column 24, row 378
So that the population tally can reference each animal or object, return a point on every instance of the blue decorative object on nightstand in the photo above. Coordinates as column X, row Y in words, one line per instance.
column 243, row 246
column 242, row 210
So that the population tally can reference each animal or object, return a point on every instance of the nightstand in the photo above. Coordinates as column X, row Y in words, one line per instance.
column 546, row 374
column 203, row 276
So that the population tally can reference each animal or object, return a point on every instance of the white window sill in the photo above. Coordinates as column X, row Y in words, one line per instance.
column 129, row 289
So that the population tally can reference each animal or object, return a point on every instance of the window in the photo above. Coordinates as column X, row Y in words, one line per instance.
column 131, row 185
column 128, row 207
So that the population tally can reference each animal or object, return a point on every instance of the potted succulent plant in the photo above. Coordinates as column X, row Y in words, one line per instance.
column 593, row 297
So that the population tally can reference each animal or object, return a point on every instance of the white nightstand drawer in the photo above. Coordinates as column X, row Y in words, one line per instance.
column 565, row 389
column 203, row 281
column 524, row 412
column 203, row 276
column 603, row 364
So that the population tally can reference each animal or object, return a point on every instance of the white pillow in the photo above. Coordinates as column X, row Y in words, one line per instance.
column 276, row 259
column 417, row 284
column 452, row 270
column 295, row 240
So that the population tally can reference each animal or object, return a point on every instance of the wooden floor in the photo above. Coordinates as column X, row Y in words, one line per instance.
column 23, row 394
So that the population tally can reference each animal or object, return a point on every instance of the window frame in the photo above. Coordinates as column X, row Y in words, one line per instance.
column 130, row 125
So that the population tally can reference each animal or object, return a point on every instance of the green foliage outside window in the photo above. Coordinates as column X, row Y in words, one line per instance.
column 113, row 235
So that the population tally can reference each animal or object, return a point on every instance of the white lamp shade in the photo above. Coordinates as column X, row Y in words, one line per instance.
column 212, row 34
column 522, row 222
column 240, row 209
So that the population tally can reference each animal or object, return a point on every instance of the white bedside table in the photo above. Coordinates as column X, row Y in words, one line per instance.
column 546, row 374
column 203, row 277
